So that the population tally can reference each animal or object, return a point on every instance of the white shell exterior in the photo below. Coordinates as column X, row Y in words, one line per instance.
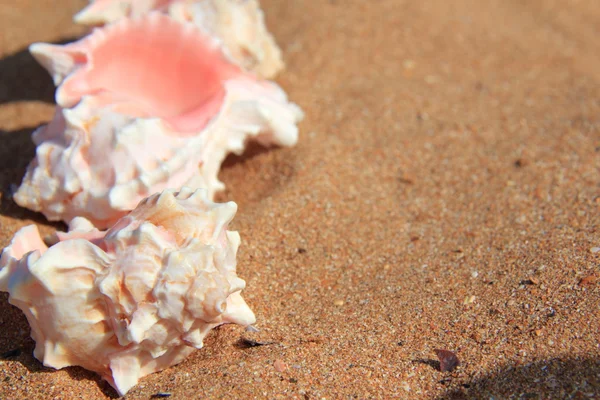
column 98, row 163
column 135, row 299
column 239, row 24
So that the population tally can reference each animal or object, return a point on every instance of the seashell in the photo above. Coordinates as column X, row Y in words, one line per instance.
column 135, row 299
column 128, row 126
column 240, row 25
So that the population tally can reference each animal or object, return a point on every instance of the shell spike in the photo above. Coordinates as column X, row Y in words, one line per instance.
column 238, row 312
column 58, row 60
column 125, row 372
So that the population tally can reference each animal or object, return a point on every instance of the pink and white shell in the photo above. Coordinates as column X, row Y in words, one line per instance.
column 135, row 299
column 144, row 105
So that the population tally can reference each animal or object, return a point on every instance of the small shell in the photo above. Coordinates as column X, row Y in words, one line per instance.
column 133, row 300
column 136, row 127
column 240, row 25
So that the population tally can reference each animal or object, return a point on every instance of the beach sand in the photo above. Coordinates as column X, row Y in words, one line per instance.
column 444, row 194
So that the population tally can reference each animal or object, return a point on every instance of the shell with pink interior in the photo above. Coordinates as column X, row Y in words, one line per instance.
column 135, row 299
column 144, row 105
column 240, row 25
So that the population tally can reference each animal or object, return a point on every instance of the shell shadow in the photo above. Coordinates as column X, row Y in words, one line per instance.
column 79, row 374
column 435, row 364
column 559, row 378
column 15, row 153
column 23, row 78
column 16, row 345
column 247, row 180
column 253, row 149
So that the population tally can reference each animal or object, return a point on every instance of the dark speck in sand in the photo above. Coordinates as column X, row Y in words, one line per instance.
column 448, row 360
column 161, row 395
column 246, row 343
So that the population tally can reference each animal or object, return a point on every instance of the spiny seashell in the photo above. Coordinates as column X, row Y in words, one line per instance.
column 239, row 24
column 133, row 300
column 129, row 125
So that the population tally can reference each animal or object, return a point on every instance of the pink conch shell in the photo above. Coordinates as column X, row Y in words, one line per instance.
column 138, row 115
column 239, row 24
column 135, row 299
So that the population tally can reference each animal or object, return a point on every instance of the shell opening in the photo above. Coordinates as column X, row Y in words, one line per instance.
column 138, row 56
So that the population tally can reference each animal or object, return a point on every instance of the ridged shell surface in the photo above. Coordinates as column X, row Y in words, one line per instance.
column 135, row 299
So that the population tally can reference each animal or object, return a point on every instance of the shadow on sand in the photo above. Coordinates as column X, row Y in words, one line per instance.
column 556, row 378
column 24, row 79
column 16, row 152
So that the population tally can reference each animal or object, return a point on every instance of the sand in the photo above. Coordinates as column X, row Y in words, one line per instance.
column 444, row 194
